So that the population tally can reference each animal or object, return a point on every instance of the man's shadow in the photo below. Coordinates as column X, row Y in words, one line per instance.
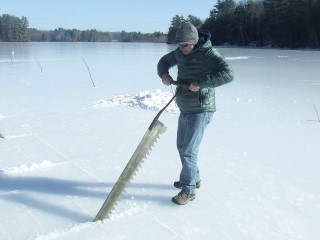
column 19, row 189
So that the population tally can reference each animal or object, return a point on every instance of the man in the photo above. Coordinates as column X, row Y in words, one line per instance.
column 201, row 68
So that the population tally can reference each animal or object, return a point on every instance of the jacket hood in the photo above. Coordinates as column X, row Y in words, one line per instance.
column 204, row 36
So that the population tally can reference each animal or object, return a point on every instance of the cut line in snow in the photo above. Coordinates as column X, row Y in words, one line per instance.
column 313, row 82
column 26, row 60
column 145, row 100
column 10, row 137
column 238, row 58
column 46, row 164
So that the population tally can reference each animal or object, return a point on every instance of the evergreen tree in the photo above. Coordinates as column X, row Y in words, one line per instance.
column 13, row 28
column 175, row 23
column 279, row 23
column 197, row 22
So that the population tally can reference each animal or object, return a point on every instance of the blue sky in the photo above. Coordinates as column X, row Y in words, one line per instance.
column 129, row 15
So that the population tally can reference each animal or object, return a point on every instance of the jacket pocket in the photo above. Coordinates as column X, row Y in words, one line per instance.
column 206, row 97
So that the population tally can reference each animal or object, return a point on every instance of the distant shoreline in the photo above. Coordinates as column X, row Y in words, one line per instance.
column 216, row 46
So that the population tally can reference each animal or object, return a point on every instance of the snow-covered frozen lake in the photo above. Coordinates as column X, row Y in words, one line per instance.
column 66, row 143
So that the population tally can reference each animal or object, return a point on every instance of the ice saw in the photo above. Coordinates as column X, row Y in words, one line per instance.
column 147, row 142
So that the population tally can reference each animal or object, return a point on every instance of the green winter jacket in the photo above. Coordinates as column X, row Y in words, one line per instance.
column 204, row 65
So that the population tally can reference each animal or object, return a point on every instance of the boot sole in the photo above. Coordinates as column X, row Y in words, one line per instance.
column 191, row 199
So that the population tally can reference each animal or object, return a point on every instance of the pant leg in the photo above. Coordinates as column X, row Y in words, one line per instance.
column 191, row 129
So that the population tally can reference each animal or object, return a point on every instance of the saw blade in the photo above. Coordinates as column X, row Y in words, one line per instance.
column 141, row 152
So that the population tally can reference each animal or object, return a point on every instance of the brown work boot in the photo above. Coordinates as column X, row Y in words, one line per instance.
column 179, row 185
column 183, row 198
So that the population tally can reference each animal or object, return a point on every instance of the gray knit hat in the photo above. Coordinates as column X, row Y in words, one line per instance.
column 187, row 34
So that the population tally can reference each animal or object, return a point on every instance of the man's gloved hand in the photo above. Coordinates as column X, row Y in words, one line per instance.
column 194, row 87
column 166, row 79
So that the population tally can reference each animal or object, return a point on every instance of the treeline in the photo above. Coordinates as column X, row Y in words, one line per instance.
column 93, row 35
column 271, row 23
column 260, row 23
column 14, row 29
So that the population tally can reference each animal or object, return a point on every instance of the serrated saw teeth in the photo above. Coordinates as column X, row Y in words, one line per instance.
column 142, row 151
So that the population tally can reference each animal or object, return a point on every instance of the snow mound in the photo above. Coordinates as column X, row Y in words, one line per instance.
column 145, row 100
column 2, row 117
column 46, row 164
column 130, row 208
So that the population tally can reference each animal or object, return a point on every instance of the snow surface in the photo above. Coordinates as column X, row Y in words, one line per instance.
column 66, row 143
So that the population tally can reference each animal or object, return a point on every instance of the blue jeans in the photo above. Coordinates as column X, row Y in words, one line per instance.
column 191, row 128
